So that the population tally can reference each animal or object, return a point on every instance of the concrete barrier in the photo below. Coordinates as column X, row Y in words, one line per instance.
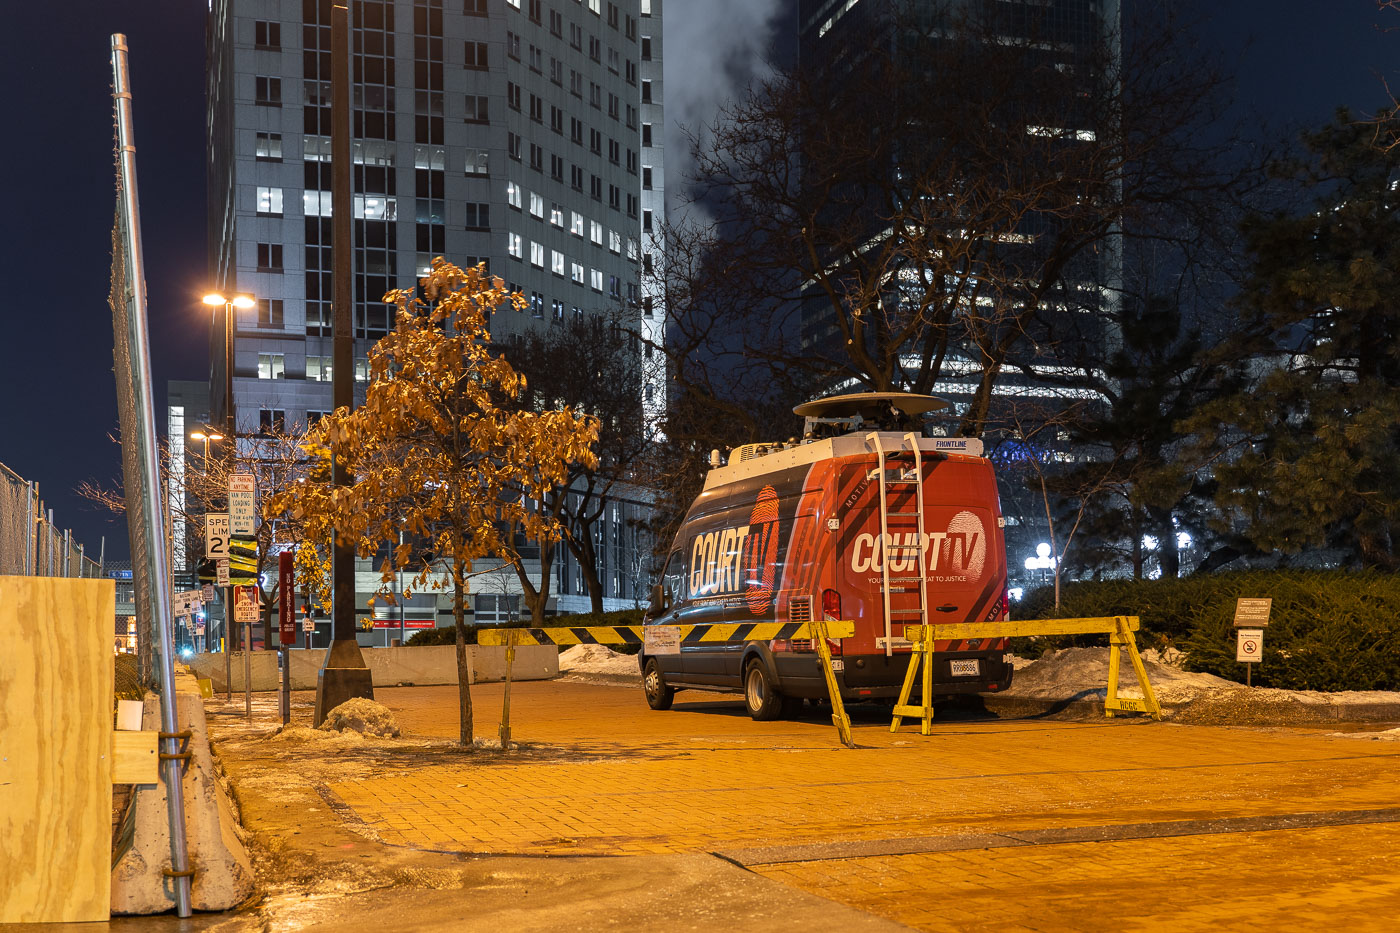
column 389, row 667
column 223, row 876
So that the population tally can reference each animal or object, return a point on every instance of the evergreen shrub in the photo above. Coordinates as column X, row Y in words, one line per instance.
column 1328, row 629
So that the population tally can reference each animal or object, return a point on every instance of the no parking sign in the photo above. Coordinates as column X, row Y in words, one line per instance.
column 1249, row 645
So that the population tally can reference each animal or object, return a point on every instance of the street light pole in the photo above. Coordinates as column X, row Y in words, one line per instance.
column 206, row 436
column 343, row 673
column 214, row 299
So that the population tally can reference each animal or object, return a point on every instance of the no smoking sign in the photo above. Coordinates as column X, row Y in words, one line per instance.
column 1249, row 645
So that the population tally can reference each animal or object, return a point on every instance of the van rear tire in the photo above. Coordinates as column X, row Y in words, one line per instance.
column 659, row 694
column 763, row 702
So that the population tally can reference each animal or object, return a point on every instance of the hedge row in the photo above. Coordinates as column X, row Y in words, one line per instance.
column 1328, row 630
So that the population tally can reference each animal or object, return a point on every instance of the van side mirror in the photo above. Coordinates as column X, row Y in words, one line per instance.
column 658, row 599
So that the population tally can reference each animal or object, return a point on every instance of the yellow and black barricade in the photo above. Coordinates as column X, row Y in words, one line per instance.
column 1120, row 630
column 729, row 633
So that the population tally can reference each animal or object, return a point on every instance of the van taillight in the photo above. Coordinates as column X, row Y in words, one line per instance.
column 831, row 611
column 1001, row 609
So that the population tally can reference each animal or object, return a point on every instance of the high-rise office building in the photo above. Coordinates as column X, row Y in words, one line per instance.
column 522, row 133
column 1076, row 42
column 526, row 134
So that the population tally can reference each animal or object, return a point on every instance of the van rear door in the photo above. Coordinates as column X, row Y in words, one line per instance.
column 961, row 550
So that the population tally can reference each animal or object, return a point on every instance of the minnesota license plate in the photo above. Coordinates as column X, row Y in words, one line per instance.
column 965, row 668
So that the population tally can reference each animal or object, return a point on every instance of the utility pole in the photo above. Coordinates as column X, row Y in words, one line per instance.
column 343, row 673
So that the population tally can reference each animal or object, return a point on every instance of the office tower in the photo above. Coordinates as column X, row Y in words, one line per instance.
column 526, row 134
column 505, row 131
column 973, row 74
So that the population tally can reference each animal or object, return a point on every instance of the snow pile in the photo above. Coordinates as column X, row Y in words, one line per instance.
column 596, row 659
column 308, row 735
column 363, row 716
column 1389, row 735
column 1083, row 673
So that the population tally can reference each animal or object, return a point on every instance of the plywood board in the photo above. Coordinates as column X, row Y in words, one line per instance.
column 55, row 748
column 135, row 759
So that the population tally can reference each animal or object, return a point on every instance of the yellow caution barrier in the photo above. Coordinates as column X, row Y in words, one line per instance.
column 701, row 634
column 1120, row 630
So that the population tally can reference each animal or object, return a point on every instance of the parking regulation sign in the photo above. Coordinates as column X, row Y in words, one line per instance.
column 241, row 506
column 1249, row 645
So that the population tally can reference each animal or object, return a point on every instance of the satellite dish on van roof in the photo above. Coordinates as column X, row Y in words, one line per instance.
column 870, row 406
column 885, row 411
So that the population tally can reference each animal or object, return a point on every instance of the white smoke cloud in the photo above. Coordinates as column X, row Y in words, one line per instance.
column 713, row 49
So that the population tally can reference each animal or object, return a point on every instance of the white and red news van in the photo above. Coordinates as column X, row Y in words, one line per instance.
column 873, row 523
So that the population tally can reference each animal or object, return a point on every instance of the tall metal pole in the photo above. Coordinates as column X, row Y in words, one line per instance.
column 231, row 439
column 29, row 564
column 343, row 672
column 150, row 474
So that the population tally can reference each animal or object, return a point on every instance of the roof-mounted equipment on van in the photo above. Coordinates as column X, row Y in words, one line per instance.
column 881, row 411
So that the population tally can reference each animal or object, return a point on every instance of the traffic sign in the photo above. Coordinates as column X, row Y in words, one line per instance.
column 222, row 578
column 1252, row 613
column 1249, row 645
column 287, row 614
column 187, row 602
column 216, row 536
column 308, row 625
column 207, row 593
column 241, row 504
column 245, row 603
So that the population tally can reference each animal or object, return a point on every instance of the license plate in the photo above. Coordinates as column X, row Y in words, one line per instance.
column 964, row 668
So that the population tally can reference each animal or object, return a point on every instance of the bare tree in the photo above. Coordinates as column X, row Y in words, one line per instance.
column 914, row 213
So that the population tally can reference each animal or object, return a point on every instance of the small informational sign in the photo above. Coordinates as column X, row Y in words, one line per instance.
column 1249, row 645
column 199, row 628
column 287, row 610
column 308, row 625
column 216, row 536
column 245, row 603
column 221, row 579
column 207, row 593
column 1252, row 613
column 661, row 639
column 187, row 603
column 241, row 505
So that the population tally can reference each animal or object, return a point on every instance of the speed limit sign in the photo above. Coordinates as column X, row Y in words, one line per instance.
column 1249, row 645
column 216, row 536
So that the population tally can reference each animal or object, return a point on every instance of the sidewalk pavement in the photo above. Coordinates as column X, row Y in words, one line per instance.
column 981, row 825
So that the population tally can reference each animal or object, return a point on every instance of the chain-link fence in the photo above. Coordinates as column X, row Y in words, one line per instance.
column 30, row 543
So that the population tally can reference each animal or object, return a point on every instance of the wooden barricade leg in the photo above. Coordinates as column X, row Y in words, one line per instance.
column 1149, row 697
column 920, row 665
column 1115, row 641
column 838, row 709
column 926, row 728
column 1120, row 639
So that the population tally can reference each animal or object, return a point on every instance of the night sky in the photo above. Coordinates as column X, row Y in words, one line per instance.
column 1297, row 60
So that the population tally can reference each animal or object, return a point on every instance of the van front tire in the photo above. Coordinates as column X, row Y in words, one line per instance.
column 764, row 703
column 659, row 694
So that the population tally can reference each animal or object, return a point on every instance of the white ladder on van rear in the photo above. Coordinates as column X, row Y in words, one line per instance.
column 911, row 441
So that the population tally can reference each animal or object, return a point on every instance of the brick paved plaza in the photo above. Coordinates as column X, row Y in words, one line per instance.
column 1037, row 824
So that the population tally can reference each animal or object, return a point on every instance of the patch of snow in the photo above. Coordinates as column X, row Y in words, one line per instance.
column 596, row 659
column 363, row 716
column 1389, row 735
column 1084, row 672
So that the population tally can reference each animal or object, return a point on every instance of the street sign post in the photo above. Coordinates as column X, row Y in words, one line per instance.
column 245, row 610
column 1249, row 650
column 286, row 627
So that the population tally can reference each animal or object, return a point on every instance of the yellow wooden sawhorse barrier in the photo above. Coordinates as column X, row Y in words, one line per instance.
column 1120, row 630
column 818, row 630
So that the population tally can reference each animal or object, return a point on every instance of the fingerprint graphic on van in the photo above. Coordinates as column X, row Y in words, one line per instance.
column 761, row 551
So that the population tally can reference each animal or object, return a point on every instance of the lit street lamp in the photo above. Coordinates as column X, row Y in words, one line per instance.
column 214, row 300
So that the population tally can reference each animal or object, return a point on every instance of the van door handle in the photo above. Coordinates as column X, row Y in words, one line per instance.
column 947, row 608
